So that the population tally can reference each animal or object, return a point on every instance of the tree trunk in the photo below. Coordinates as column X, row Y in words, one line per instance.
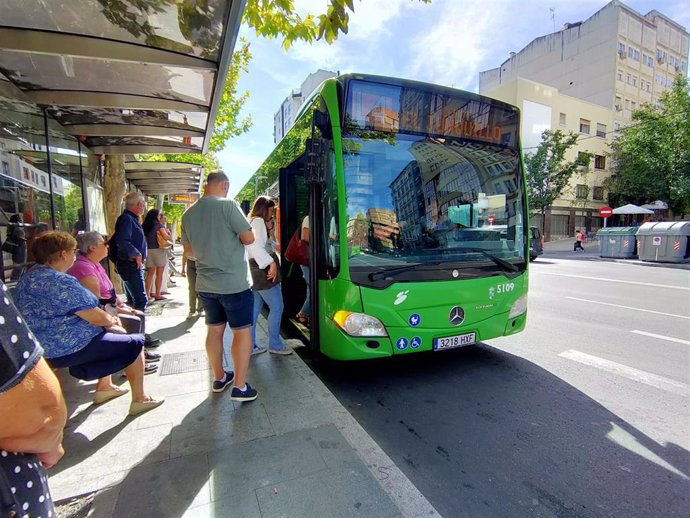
column 114, row 185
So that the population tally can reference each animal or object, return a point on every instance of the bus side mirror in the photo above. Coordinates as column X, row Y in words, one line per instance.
column 316, row 161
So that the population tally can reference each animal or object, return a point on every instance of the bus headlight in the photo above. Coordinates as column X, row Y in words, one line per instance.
column 518, row 307
column 359, row 324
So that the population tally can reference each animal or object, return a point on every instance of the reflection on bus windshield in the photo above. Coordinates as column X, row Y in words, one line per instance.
column 415, row 198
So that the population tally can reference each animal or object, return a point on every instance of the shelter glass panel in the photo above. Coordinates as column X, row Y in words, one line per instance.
column 193, row 28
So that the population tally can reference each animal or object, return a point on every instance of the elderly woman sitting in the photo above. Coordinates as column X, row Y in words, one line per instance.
column 72, row 329
column 92, row 249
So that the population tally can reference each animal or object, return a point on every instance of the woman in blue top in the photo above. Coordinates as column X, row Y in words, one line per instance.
column 74, row 331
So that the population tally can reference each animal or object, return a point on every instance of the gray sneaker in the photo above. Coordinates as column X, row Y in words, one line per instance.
column 257, row 349
column 283, row 351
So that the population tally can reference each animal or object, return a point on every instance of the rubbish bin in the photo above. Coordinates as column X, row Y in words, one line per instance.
column 617, row 242
column 664, row 242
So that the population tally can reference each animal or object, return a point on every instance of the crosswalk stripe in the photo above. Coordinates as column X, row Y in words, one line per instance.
column 631, row 373
column 661, row 337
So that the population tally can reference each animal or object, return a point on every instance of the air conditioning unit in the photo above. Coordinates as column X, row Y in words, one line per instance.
column 622, row 54
column 619, row 108
column 661, row 59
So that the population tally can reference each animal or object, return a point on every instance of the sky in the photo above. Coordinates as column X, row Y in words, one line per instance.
column 447, row 42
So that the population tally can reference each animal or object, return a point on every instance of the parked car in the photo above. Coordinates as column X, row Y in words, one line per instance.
column 536, row 243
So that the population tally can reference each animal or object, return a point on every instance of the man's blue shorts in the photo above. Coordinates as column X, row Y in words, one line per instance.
column 235, row 309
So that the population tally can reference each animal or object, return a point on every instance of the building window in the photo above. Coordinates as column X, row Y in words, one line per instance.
column 619, row 104
column 584, row 126
column 561, row 119
column 616, row 126
column 633, row 54
column 660, row 56
column 599, row 162
column 621, row 48
column 619, row 75
column 601, row 130
column 634, row 81
column 598, row 193
column 581, row 192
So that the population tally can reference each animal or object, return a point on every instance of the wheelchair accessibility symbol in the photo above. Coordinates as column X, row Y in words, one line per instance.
column 416, row 342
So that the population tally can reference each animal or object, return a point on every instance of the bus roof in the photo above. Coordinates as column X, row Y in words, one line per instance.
column 405, row 83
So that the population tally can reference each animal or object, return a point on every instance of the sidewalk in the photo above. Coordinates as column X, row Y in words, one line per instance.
column 563, row 248
column 294, row 452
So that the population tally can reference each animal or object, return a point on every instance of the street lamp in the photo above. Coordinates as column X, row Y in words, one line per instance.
column 256, row 185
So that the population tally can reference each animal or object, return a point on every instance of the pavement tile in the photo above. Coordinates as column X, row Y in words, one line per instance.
column 165, row 488
column 347, row 492
column 263, row 462
column 242, row 506
column 94, row 463
column 287, row 415
column 206, row 429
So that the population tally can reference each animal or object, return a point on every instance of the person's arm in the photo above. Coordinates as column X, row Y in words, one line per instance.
column 305, row 234
column 38, row 415
column 97, row 317
column 257, row 249
column 90, row 282
column 240, row 225
column 123, row 240
column 183, row 271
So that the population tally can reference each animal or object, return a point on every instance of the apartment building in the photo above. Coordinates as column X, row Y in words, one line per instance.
column 284, row 118
column 616, row 61
column 543, row 107
column 617, row 58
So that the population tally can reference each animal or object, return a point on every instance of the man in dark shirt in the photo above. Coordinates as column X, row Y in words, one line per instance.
column 34, row 415
column 131, row 250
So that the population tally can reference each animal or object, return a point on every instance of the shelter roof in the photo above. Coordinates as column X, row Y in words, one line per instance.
column 125, row 77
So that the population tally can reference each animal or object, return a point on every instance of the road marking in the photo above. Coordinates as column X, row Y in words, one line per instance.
column 628, row 372
column 629, row 307
column 603, row 279
column 662, row 337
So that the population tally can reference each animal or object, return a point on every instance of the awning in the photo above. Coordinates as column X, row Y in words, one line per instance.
column 632, row 209
column 164, row 177
column 124, row 76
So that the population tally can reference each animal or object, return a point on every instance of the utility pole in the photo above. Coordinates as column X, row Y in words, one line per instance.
column 256, row 185
column 553, row 17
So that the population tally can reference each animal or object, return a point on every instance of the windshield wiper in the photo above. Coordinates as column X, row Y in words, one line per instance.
column 382, row 274
column 497, row 260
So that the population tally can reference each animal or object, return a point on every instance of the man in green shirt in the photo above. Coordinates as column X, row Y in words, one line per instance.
column 215, row 230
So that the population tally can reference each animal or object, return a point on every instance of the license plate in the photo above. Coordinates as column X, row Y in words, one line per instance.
column 451, row 342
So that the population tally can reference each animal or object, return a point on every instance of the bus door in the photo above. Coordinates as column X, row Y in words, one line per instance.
column 294, row 206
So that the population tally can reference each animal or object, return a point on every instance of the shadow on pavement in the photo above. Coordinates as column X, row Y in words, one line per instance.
column 482, row 432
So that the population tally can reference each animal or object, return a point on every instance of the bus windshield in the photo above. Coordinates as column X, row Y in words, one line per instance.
column 424, row 192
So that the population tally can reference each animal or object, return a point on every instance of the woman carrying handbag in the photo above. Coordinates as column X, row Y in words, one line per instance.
column 265, row 270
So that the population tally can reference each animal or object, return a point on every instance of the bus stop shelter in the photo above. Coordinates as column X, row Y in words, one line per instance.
column 123, row 77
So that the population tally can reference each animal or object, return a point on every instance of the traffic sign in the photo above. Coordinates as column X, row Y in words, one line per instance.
column 606, row 212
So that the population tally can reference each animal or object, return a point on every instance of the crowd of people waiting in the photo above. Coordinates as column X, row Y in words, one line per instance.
column 68, row 315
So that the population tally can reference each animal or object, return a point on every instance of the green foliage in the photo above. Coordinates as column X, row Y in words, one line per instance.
column 291, row 147
column 274, row 18
column 652, row 155
column 228, row 123
column 548, row 172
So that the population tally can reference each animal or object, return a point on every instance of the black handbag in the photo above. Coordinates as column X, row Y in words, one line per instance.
column 10, row 247
column 260, row 282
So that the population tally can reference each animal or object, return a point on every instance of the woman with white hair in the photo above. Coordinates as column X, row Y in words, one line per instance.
column 92, row 249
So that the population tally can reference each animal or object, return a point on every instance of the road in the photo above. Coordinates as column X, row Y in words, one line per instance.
column 585, row 414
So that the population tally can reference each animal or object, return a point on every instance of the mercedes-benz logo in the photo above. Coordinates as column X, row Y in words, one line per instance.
column 456, row 316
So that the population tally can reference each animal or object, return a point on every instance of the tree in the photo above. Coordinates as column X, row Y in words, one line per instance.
column 273, row 18
column 548, row 172
column 652, row 156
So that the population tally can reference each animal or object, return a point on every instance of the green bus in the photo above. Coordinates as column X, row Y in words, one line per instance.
column 418, row 217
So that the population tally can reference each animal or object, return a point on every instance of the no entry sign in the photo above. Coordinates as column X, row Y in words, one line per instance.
column 606, row 212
